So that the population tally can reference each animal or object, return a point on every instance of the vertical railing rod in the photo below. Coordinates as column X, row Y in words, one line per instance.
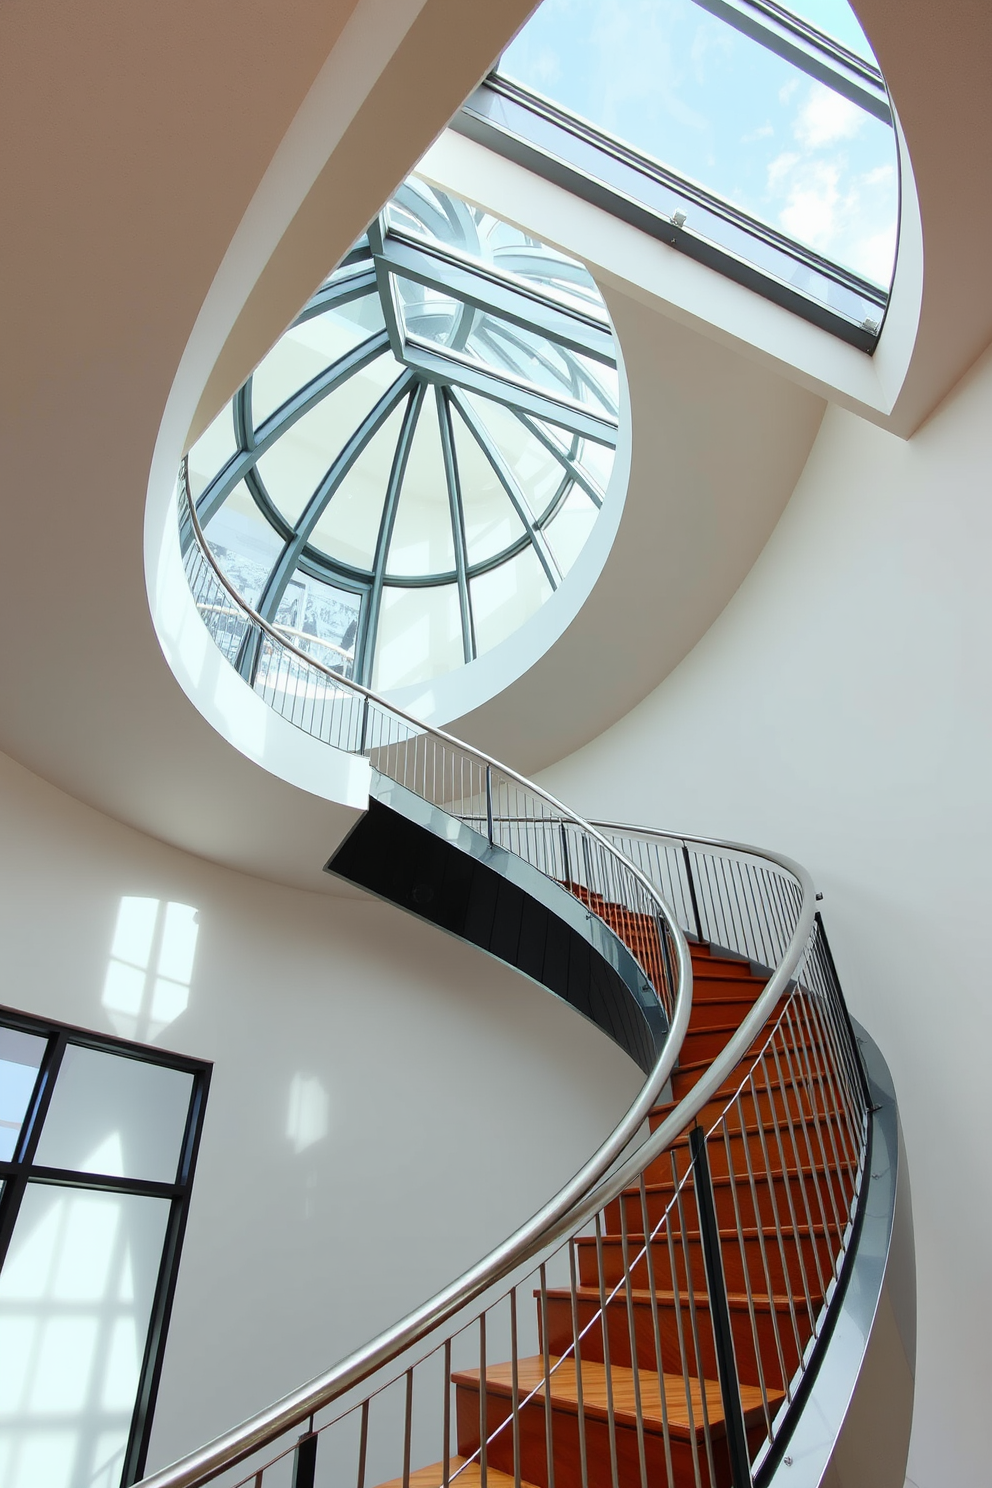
column 709, row 1231
column 690, row 880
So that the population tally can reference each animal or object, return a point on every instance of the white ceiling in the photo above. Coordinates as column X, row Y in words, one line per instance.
column 140, row 218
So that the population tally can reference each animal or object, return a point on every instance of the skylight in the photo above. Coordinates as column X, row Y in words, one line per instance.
column 758, row 136
column 416, row 465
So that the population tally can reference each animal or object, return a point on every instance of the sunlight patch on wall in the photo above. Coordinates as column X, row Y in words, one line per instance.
column 309, row 1110
column 151, row 966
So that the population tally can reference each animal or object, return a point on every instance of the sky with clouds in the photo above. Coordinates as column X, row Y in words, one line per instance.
column 689, row 90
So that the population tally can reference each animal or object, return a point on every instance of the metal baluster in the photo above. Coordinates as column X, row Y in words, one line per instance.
column 446, row 1416
column 577, row 1346
column 696, row 921
column 408, row 1430
column 611, row 1424
column 483, row 1407
column 632, row 1330
column 305, row 1459
column 723, row 1336
column 649, row 1236
column 549, row 1445
column 514, row 1388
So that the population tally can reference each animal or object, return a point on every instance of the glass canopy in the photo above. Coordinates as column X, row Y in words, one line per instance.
column 418, row 462
column 764, row 134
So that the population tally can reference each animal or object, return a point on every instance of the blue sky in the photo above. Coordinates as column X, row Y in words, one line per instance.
column 686, row 88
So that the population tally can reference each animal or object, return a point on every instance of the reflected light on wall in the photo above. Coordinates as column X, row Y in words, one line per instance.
column 151, row 966
column 74, row 1301
column 309, row 1110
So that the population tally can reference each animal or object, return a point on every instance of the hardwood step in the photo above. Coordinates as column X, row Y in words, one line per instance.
column 469, row 1476
column 783, row 1324
column 684, row 1411
column 757, row 1205
column 770, row 1263
column 776, row 1103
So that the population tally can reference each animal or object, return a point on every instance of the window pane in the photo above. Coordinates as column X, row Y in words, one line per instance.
column 420, row 636
column 211, row 452
column 422, row 541
column 328, row 625
column 349, row 526
column 245, row 545
column 75, row 1298
column 836, row 19
column 20, row 1059
column 116, row 1116
column 305, row 350
column 491, row 524
column 507, row 596
column 690, row 91
column 537, row 472
column 569, row 528
column 297, row 462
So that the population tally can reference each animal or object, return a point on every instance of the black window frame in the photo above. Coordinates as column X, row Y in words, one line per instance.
column 22, row 1169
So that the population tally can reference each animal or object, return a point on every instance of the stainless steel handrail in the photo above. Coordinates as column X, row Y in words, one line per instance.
column 591, row 1189
column 348, row 684
column 549, row 1221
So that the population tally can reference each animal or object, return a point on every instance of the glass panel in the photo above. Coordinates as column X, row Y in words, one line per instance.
column 422, row 541
column 298, row 461
column 420, row 636
column 491, row 524
column 538, row 474
column 20, row 1059
column 75, row 1297
column 305, row 350
column 505, row 597
column 117, row 1116
column 689, row 90
column 349, row 526
column 525, row 355
column 244, row 544
column 326, row 623
column 570, row 527
column 836, row 19
column 211, row 452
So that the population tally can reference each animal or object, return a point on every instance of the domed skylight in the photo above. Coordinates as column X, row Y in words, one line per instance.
column 415, row 466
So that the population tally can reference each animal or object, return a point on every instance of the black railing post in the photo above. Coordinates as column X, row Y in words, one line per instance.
column 566, row 866
column 489, row 803
column 692, row 892
column 723, row 1337
column 305, row 1461
column 365, row 725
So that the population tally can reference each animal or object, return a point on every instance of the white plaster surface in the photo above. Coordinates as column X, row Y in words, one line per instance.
column 456, row 1095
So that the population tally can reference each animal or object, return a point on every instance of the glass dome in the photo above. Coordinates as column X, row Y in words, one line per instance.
column 412, row 470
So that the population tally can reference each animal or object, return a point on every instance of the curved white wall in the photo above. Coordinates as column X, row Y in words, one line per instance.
column 457, row 1096
column 840, row 710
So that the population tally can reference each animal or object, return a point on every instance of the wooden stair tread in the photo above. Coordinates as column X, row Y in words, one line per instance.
column 469, row 1476
column 641, row 1297
column 564, row 1394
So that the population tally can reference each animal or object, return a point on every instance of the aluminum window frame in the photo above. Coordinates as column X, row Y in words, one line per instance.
column 444, row 377
column 22, row 1169
column 551, row 141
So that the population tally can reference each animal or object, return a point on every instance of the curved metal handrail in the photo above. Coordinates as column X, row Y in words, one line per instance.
column 526, row 1241
column 594, row 1186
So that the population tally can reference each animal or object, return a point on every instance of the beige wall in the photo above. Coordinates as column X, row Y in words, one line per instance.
column 840, row 710
column 459, row 1096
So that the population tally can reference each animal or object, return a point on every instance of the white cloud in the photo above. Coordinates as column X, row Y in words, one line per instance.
column 780, row 169
column 810, row 212
column 826, row 118
column 874, row 256
column 764, row 131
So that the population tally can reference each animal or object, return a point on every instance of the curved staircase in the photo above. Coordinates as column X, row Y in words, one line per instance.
column 665, row 1318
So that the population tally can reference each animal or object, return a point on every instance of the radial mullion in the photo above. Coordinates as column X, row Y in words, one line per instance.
column 364, row 656
column 286, row 563
column 457, row 521
column 508, row 481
